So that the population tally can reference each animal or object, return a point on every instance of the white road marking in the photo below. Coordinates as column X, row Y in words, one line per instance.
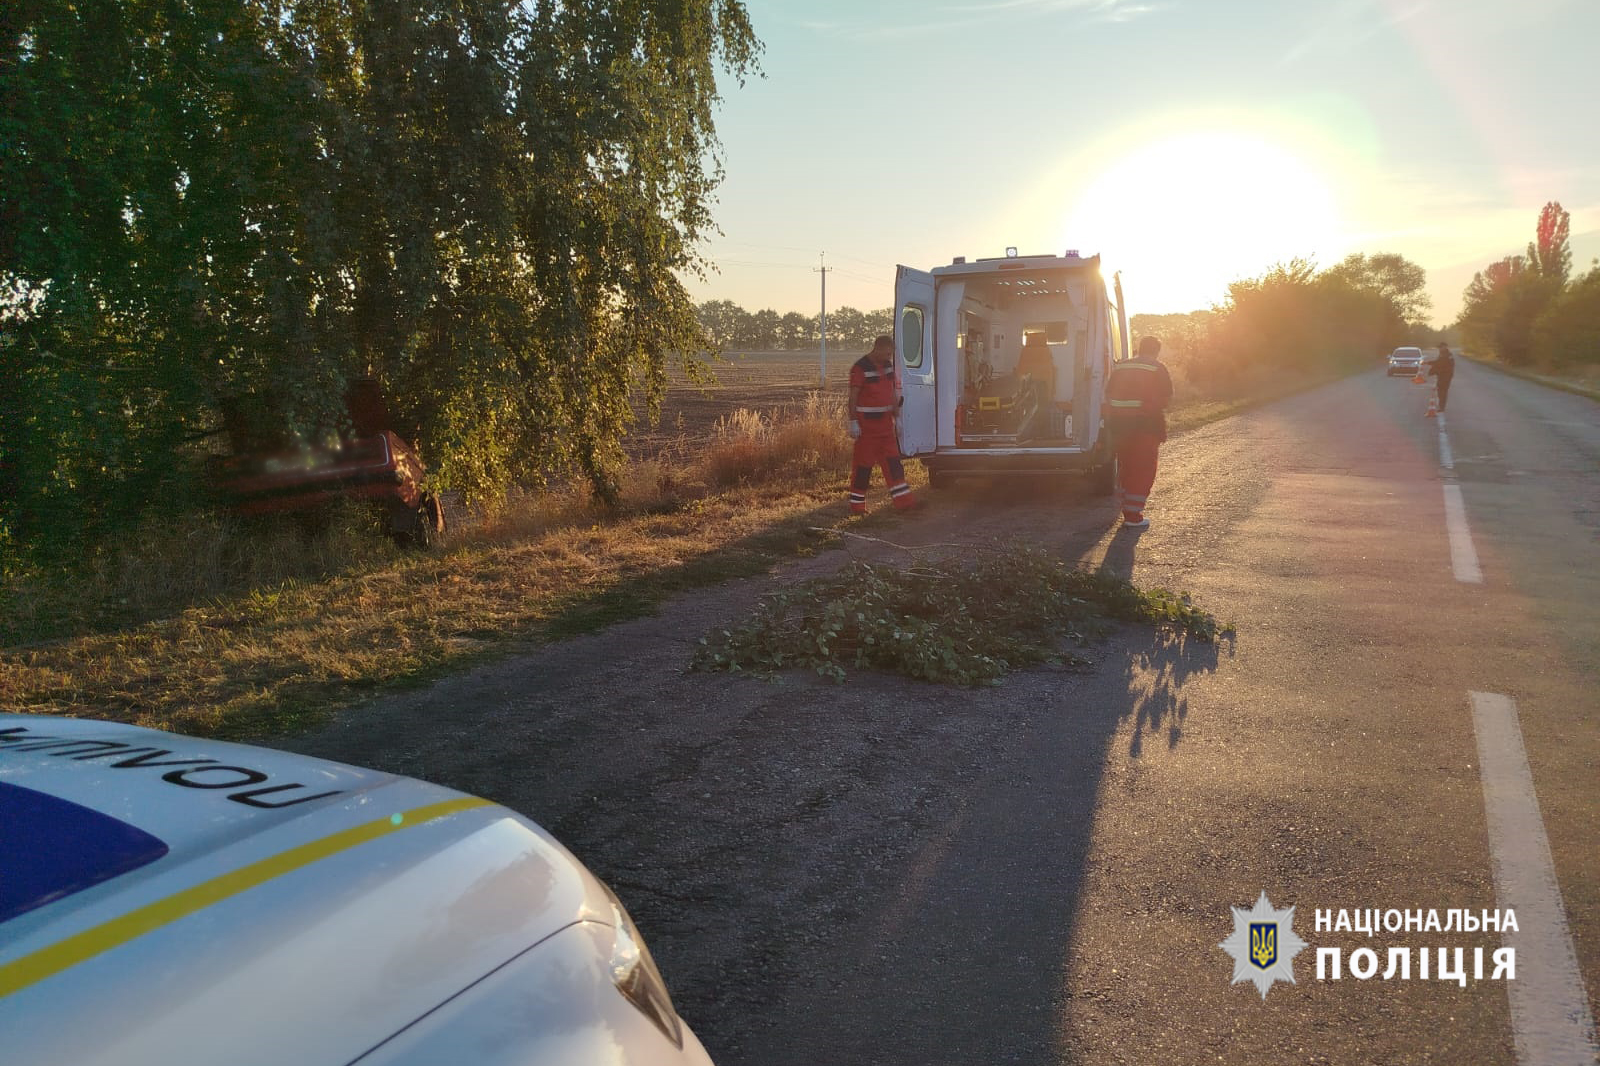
column 1463, row 557
column 1446, row 458
column 1549, row 1008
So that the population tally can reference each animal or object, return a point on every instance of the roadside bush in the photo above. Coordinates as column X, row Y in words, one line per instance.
column 949, row 622
column 1568, row 332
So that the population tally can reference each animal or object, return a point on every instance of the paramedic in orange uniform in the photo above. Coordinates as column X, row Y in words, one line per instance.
column 1136, row 402
column 874, row 402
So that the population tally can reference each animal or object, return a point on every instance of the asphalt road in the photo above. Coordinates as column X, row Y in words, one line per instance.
column 889, row 872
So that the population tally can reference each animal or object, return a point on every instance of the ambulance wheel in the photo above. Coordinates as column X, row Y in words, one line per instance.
column 1103, row 478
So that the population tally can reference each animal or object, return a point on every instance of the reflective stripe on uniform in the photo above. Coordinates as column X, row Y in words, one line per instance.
column 1126, row 403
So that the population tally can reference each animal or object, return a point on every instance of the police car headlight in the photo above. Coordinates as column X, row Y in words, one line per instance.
column 636, row 976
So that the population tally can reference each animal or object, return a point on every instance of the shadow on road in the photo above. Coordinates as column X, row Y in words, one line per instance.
column 902, row 864
column 876, row 872
column 1156, row 677
column 1118, row 558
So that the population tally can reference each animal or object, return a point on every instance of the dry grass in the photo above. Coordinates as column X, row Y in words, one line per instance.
column 748, row 447
column 1578, row 380
column 214, row 630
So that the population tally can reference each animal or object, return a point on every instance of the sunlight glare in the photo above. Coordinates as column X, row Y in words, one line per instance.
column 1183, row 216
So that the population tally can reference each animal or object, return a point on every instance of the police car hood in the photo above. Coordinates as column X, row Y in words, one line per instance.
column 177, row 899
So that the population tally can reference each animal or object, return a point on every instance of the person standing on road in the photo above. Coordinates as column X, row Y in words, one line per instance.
column 1137, row 397
column 874, row 402
column 1443, row 370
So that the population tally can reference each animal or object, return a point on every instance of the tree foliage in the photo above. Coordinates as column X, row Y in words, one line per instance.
column 1567, row 333
column 1294, row 317
column 1181, row 335
column 1550, row 253
column 1388, row 275
column 1505, row 301
column 485, row 203
column 729, row 326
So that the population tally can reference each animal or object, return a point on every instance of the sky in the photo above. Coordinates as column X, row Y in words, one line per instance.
column 1188, row 142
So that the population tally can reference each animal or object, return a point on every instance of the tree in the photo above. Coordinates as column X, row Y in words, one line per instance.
column 875, row 324
column 1293, row 318
column 1180, row 334
column 1550, row 254
column 1501, row 305
column 1391, row 276
column 1506, row 299
column 1568, row 331
column 723, row 322
column 762, row 330
column 486, row 203
column 797, row 331
column 846, row 328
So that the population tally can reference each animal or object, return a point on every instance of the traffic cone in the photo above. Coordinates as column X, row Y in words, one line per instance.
column 1420, row 379
column 1433, row 405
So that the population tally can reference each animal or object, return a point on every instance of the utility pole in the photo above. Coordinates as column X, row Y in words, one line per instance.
column 823, row 270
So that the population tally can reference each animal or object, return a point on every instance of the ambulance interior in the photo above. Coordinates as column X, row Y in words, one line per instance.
column 1025, row 374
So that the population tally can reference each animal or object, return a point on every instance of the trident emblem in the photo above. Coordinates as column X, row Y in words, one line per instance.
column 1263, row 944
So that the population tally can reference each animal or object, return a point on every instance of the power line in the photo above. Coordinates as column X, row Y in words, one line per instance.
column 792, row 248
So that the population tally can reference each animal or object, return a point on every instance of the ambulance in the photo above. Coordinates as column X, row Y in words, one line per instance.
column 1003, row 365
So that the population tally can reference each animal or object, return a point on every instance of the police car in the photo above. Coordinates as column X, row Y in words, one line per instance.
column 165, row 899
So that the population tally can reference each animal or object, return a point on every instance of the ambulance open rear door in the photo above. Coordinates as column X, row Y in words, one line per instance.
column 913, row 349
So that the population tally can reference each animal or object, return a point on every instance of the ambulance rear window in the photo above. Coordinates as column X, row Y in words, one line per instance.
column 51, row 848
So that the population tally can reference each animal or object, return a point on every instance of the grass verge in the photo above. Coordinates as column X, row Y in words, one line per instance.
column 279, row 654
column 1586, row 385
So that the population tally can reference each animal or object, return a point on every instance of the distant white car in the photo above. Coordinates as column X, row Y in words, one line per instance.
column 166, row 899
column 1405, row 361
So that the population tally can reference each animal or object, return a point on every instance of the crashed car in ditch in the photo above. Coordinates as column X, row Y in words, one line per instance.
column 365, row 460
column 167, row 899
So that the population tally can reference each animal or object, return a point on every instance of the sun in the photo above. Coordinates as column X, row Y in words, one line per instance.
column 1183, row 215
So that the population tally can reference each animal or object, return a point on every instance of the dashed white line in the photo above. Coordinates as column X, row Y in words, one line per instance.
column 1549, row 1008
column 1463, row 557
column 1446, row 458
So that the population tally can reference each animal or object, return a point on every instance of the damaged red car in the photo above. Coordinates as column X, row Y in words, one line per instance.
column 367, row 460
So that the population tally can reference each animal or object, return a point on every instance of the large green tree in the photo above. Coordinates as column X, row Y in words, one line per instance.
column 488, row 204
column 1391, row 276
